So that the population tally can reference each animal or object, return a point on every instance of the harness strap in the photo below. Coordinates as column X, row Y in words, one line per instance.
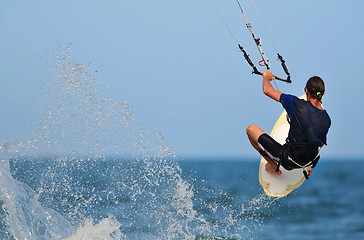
column 285, row 156
column 278, row 165
column 313, row 163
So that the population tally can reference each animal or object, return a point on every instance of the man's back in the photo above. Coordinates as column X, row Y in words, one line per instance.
column 309, row 124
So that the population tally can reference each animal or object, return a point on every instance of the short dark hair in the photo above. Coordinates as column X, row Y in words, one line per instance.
column 316, row 87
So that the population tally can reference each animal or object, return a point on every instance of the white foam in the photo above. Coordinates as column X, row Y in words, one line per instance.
column 107, row 228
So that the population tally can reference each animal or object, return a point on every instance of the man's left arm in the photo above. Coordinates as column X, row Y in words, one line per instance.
column 268, row 89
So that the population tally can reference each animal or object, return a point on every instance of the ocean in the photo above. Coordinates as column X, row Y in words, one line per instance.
column 68, row 198
column 92, row 171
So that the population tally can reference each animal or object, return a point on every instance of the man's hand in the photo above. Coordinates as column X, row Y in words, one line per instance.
column 268, row 75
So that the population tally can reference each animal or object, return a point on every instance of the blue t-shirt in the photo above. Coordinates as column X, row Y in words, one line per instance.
column 308, row 124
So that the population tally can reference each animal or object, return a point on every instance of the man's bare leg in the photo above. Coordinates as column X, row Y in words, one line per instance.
column 254, row 132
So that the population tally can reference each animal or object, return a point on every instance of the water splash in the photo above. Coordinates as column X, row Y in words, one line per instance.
column 25, row 217
column 76, row 185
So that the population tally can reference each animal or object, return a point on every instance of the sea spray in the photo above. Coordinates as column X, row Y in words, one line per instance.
column 81, row 129
column 100, row 173
column 25, row 217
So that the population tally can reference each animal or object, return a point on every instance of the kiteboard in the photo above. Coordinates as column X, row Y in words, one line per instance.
column 280, row 185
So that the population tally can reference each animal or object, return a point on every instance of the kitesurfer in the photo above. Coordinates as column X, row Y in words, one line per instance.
column 309, row 125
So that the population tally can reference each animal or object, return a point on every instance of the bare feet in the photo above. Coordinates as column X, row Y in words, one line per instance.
column 269, row 169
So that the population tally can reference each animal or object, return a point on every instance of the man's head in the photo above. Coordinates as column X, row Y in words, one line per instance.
column 315, row 87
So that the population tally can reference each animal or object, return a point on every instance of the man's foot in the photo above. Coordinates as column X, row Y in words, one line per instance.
column 269, row 169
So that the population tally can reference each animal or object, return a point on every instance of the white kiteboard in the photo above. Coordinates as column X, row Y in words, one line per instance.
column 280, row 185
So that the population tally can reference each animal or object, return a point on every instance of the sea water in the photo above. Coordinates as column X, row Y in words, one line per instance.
column 92, row 171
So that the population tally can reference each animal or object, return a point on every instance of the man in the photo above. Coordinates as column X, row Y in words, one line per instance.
column 309, row 124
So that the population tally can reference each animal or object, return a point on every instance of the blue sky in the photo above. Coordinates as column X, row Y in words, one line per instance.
column 176, row 64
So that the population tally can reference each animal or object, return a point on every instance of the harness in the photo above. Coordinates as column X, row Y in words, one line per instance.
column 303, row 151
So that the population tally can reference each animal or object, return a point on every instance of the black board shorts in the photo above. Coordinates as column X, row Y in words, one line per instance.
column 302, row 153
column 270, row 146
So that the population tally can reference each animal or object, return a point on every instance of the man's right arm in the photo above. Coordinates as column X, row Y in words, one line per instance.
column 268, row 89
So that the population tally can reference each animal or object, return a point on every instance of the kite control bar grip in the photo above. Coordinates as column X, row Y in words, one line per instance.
column 288, row 80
